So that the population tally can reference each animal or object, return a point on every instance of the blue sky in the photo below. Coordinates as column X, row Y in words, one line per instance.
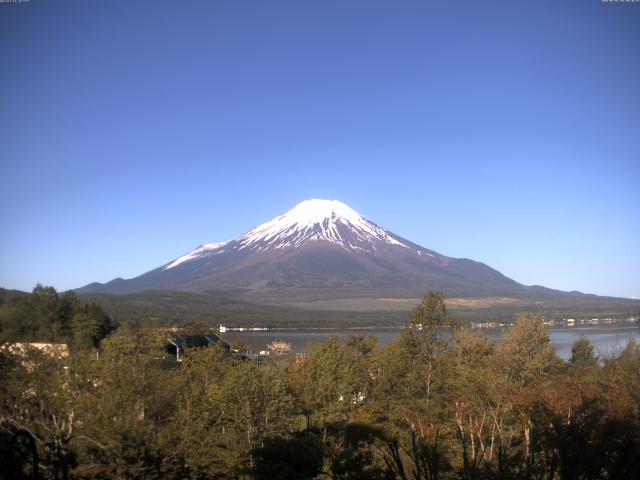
column 507, row 132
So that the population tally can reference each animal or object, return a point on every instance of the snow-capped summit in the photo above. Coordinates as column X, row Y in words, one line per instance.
column 312, row 220
column 319, row 248
column 317, row 220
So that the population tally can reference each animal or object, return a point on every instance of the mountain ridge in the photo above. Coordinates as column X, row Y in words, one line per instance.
column 321, row 249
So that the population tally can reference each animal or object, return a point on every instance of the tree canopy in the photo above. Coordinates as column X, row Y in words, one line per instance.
column 454, row 406
column 47, row 316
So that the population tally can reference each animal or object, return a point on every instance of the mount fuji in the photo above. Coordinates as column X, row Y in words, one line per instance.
column 320, row 249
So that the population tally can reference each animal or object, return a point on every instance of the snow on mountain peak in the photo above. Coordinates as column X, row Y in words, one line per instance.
column 312, row 220
column 310, row 212
column 329, row 220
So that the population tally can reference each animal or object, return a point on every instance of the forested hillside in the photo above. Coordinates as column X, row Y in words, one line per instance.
column 418, row 408
column 172, row 307
column 46, row 316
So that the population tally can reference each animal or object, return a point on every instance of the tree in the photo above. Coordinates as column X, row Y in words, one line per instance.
column 475, row 403
column 418, row 408
column 411, row 378
column 53, row 314
column 332, row 381
column 86, row 329
column 207, row 444
column 41, row 316
column 430, row 313
column 421, row 341
column 364, row 345
column 526, row 362
column 38, row 400
column 582, row 353
column 90, row 325
column 425, row 318
column 279, row 458
column 526, row 353
column 127, row 398
column 253, row 403
column 357, row 454
column 46, row 316
column 227, row 407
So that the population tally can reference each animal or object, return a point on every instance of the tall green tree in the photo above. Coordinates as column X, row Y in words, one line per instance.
column 582, row 353
column 128, row 398
column 46, row 316
column 90, row 325
column 332, row 382
column 39, row 399
column 526, row 354
column 431, row 312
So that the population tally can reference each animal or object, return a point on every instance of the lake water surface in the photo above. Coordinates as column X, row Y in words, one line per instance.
column 607, row 339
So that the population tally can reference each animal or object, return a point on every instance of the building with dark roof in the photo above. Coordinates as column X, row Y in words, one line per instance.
column 179, row 343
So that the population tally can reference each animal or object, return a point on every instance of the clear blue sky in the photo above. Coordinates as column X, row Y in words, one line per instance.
column 507, row 132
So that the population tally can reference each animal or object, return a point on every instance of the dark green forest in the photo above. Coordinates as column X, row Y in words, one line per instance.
column 422, row 407
column 47, row 316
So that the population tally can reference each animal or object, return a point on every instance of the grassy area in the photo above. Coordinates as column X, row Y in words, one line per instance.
column 170, row 307
column 399, row 304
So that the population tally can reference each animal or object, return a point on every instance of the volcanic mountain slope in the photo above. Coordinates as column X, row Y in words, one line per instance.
column 320, row 249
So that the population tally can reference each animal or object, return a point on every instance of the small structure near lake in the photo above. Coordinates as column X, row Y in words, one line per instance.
column 178, row 343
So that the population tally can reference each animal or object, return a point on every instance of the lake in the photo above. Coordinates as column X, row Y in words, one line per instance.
column 607, row 339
